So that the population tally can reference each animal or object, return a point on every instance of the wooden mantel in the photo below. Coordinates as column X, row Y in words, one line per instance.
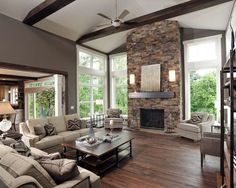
column 152, row 95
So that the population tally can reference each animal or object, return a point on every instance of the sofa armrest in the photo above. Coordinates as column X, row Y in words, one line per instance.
column 83, row 183
column 205, row 126
column 184, row 121
column 22, row 181
column 210, row 146
column 28, row 139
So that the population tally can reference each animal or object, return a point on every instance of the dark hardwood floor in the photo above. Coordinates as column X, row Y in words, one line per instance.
column 161, row 161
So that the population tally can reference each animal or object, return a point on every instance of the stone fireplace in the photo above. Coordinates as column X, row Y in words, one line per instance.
column 152, row 118
column 157, row 43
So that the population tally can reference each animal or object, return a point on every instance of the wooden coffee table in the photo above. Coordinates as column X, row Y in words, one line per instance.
column 104, row 155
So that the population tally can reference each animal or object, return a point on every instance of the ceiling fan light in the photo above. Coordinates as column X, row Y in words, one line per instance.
column 116, row 23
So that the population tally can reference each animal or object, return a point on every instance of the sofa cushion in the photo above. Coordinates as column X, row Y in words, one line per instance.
column 95, row 181
column 74, row 124
column 40, row 131
column 49, row 141
column 8, row 141
column 50, row 129
column 31, row 123
column 6, row 149
column 58, row 122
column 83, row 132
column 71, row 117
column 69, row 135
column 18, row 165
column 114, row 113
column 60, row 169
column 189, row 127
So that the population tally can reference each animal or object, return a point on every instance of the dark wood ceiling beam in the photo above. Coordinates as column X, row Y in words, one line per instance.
column 5, row 76
column 45, row 9
column 8, row 83
column 177, row 10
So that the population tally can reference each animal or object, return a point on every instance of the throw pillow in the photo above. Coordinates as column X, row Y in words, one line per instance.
column 8, row 141
column 74, row 124
column 51, row 156
column 50, row 129
column 114, row 113
column 60, row 169
column 40, row 131
column 195, row 119
column 21, row 148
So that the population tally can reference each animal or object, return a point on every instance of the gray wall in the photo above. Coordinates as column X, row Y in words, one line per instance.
column 25, row 45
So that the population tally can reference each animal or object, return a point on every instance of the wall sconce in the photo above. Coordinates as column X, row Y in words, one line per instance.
column 132, row 79
column 172, row 77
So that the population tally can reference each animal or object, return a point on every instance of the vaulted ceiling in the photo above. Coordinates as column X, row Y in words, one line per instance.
column 80, row 17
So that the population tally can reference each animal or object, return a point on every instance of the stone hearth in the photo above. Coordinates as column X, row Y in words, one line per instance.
column 157, row 43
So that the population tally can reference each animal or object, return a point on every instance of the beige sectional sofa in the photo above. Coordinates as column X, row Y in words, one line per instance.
column 17, row 171
column 51, row 143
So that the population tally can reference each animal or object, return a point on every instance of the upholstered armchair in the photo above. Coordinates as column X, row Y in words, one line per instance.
column 115, row 115
column 199, row 123
column 210, row 145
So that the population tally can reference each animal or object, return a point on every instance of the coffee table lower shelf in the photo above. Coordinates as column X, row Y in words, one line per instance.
column 102, row 163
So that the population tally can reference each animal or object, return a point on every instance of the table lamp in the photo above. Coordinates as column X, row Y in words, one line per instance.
column 5, row 109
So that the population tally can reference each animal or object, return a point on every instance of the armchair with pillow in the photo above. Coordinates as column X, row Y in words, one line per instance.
column 115, row 115
column 199, row 123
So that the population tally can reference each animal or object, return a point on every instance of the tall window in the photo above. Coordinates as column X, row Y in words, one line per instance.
column 119, row 93
column 202, row 70
column 91, row 70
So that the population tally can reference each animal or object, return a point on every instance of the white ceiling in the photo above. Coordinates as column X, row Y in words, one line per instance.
column 80, row 17
column 23, row 73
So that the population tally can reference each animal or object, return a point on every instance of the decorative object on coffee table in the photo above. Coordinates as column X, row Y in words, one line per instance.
column 91, row 131
column 111, row 126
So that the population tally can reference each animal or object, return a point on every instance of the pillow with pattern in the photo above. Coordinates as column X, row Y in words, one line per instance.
column 195, row 119
column 40, row 131
column 60, row 169
column 50, row 129
column 73, row 125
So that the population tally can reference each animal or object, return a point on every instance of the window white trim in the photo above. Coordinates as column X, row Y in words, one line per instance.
column 193, row 66
column 93, row 72
column 113, row 75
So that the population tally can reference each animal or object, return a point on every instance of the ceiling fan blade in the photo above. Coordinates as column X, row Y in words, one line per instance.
column 123, row 14
column 104, row 16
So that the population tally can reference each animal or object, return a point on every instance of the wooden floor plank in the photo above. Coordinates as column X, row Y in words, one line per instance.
column 161, row 161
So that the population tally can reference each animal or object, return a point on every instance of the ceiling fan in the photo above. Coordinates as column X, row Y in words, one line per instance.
column 117, row 21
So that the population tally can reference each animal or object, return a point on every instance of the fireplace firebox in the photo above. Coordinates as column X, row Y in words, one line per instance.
column 152, row 118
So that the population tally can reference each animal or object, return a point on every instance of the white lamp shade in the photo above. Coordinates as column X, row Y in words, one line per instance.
column 132, row 79
column 172, row 77
column 6, row 108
